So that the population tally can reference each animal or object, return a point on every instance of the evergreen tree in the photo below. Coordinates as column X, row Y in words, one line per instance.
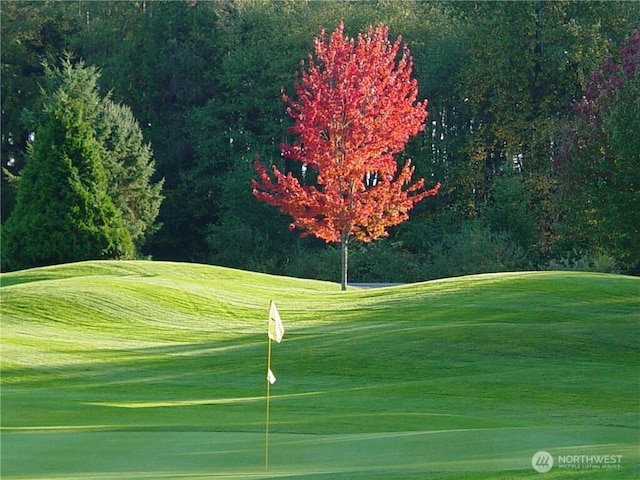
column 129, row 168
column 85, row 191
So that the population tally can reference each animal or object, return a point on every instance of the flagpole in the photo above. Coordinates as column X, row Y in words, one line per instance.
column 266, row 442
column 274, row 332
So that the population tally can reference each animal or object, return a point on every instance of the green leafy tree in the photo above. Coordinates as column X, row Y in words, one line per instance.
column 601, row 171
column 527, row 64
column 510, row 211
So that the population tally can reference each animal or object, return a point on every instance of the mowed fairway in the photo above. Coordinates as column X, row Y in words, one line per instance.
column 151, row 370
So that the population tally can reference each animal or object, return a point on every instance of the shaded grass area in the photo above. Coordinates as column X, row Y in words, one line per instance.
column 156, row 370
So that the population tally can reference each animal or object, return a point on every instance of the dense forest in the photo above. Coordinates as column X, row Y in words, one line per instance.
column 534, row 114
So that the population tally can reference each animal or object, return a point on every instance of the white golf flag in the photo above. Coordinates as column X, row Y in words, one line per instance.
column 271, row 377
column 276, row 329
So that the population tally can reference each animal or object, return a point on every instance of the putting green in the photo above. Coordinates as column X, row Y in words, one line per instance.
column 132, row 370
column 96, row 453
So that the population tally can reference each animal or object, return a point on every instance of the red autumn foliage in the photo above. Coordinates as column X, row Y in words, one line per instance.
column 610, row 78
column 356, row 107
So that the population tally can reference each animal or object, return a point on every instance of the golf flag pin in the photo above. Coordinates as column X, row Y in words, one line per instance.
column 276, row 329
column 275, row 332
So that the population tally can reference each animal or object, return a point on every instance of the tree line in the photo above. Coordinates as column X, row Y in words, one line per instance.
column 532, row 127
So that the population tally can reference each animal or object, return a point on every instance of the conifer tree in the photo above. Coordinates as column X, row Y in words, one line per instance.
column 85, row 191
column 129, row 167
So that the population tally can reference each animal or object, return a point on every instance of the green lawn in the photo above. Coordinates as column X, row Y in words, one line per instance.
column 152, row 370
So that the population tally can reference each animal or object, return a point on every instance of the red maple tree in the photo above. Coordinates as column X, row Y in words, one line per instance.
column 356, row 107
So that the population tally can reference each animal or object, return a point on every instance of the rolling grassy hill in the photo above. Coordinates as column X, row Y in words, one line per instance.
column 151, row 370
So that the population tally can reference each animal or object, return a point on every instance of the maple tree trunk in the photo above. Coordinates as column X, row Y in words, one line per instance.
column 345, row 259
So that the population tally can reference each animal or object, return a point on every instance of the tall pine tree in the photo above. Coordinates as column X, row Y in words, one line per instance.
column 85, row 191
column 129, row 166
